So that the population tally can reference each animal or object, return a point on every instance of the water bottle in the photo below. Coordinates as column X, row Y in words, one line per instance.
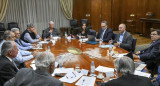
column 100, row 42
column 60, row 62
column 51, row 36
column 65, row 34
column 92, row 68
column 48, row 49
column 80, row 36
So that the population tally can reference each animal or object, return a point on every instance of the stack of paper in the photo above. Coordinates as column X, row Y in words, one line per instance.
column 43, row 42
column 104, row 69
column 71, row 77
column 33, row 66
column 139, row 73
column 86, row 81
column 105, row 46
column 118, row 55
column 62, row 70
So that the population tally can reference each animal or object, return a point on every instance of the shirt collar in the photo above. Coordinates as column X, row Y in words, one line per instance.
column 123, row 33
column 9, row 59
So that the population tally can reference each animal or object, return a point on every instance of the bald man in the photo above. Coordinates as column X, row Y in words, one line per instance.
column 123, row 38
column 51, row 30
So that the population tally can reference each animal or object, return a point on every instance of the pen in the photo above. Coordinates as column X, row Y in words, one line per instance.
column 74, row 74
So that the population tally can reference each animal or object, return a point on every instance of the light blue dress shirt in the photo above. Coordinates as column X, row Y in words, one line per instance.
column 23, row 45
column 1, row 45
column 121, row 37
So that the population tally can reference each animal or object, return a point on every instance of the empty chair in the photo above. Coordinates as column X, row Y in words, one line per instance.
column 12, row 25
column 84, row 21
column 2, row 30
column 74, row 27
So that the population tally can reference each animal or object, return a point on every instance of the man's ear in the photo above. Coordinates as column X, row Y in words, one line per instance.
column 10, row 52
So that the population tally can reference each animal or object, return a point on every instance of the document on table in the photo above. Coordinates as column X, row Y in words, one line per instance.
column 43, row 42
column 104, row 69
column 86, row 81
column 119, row 55
column 33, row 66
column 71, row 77
column 139, row 73
column 105, row 46
column 62, row 70
column 84, row 72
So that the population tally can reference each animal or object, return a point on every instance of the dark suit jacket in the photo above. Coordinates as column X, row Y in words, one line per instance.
column 7, row 69
column 126, row 42
column 129, row 80
column 54, row 33
column 107, row 35
column 29, row 77
column 86, row 32
column 151, row 53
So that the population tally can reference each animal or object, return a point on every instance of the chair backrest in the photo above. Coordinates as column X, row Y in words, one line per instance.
column 73, row 23
column 43, row 34
column 2, row 28
column 134, row 44
column 12, row 25
column 92, row 32
column 84, row 21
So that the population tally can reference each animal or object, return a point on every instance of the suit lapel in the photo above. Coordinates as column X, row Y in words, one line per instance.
column 124, row 37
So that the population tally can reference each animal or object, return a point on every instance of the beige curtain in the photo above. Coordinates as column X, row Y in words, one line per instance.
column 3, row 8
column 67, row 8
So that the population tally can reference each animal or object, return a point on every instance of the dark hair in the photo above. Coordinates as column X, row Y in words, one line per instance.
column 83, row 23
column 158, row 31
column 30, row 25
column 104, row 21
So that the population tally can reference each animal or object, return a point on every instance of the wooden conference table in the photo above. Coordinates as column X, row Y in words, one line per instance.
column 83, row 60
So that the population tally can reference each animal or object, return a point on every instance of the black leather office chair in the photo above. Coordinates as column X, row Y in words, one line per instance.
column 84, row 21
column 134, row 44
column 12, row 25
column 74, row 27
column 114, row 36
column 2, row 30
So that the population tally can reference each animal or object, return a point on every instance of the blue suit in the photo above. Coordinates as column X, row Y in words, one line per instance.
column 107, row 34
column 23, row 45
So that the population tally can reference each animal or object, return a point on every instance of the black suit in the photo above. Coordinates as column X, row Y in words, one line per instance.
column 29, row 77
column 107, row 35
column 7, row 69
column 47, row 34
column 129, row 80
column 126, row 42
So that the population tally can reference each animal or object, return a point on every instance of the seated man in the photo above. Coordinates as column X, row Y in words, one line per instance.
column 22, row 55
column 152, row 53
column 30, row 35
column 105, row 33
column 45, row 64
column 20, row 43
column 125, row 68
column 51, row 30
column 8, row 69
column 123, row 39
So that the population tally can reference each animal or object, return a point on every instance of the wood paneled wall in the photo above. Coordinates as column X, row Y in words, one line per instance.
column 116, row 12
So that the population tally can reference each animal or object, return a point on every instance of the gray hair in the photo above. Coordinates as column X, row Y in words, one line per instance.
column 7, row 34
column 14, row 29
column 30, row 25
column 104, row 21
column 44, row 59
column 50, row 22
column 8, row 45
column 124, row 65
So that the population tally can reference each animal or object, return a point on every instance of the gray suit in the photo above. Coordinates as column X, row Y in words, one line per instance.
column 29, row 77
column 54, row 33
column 126, row 42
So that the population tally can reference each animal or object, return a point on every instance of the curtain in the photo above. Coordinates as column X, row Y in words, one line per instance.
column 3, row 8
column 67, row 8
column 38, row 12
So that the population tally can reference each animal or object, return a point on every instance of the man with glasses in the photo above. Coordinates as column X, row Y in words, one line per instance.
column 152, row 53
column 105, row 33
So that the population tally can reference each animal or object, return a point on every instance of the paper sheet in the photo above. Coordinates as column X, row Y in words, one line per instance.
column 62, row 70
column 86, row 81
column 43, row 42
column 105, row 46
column 118, row 55
column 71, row 77
column 84, row 72
column 104, row 69
column 33, row 66
column 139, row 73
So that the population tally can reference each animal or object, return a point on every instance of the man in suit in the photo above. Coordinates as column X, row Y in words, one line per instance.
column 30, row 35
column 125, row 68
column 8, row 69
column 20, row 43
column 51, row 30
column 45, row 65
column 123, row 39
column 152, row 53
column 105, row 33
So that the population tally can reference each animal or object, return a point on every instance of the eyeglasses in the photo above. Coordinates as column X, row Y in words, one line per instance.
column 153, row 34
column 103, row 26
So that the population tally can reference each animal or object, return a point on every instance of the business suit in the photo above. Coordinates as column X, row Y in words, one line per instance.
column 129, row 80
column 85, row 33
column 7, row 69
column 107, row 34
column 29, row 77
column 151, row 54
column 54, row 33
column 126, row 42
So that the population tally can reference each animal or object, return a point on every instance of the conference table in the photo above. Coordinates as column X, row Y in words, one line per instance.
column 84, row 61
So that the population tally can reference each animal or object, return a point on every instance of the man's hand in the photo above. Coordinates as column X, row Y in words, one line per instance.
column 97, row 39
column 138, row 52
column 117, row 44
column 34, row 53
column 50, row 31
column 135, row 56
column 35, row 31
column 110, row 42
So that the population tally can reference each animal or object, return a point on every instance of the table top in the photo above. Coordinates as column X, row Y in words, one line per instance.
column 83, row 60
